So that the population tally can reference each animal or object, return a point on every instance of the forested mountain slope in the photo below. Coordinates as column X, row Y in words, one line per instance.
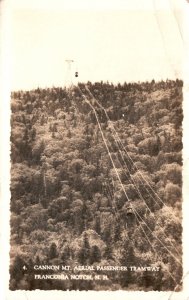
column 73, row 203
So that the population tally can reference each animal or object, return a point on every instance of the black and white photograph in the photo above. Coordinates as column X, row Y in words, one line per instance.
column 96, row 146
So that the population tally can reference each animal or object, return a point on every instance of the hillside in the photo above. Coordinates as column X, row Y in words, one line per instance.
column 97, row 187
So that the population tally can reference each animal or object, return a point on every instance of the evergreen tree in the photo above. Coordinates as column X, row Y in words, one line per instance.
column 97, row 225
column 95, row 255
column 17, row 271
column 108, row 254
column 65, row 255
column 109, row 243
column 127, row 259
column 37, row 261
column 84, row 253
column 117, row 233
column 53, row 251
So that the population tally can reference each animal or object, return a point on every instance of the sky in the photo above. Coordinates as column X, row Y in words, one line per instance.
column 113, row 41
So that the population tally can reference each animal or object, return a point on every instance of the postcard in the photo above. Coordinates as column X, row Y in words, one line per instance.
column 94, row 149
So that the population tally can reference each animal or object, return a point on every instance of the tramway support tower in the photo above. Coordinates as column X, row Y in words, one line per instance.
column 68, row 78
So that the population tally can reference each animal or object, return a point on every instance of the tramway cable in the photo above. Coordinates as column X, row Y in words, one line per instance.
column 111, row 159
column 135, row 186
column 112, row 127
column 135, row 212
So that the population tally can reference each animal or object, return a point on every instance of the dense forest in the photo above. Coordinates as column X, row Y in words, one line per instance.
column 96, row 180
